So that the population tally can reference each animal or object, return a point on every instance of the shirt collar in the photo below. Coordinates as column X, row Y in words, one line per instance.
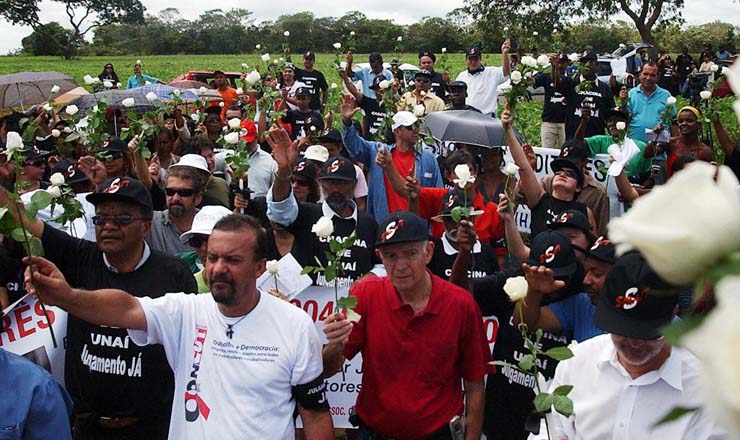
column 670, row 371
column 328, row 212
column 476, row 71
column 434, row 305
column 450, row 249
column 144, row 256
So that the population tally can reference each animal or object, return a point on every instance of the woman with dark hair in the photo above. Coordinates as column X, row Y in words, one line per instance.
column 109, row 74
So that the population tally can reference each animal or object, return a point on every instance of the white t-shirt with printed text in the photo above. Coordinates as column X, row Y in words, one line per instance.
column 232, row 388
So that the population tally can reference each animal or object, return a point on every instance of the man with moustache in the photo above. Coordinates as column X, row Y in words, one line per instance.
column 211, row 340
column 624, row 382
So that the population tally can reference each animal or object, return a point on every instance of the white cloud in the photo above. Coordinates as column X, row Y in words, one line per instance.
column 695, row 12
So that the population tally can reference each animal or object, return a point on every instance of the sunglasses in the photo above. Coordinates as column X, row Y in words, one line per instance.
column 301, row 182
column 197, row 240
column 110, row 157
column 37, row 163
column 568, row 172
column 118, row 220
column 183, row 192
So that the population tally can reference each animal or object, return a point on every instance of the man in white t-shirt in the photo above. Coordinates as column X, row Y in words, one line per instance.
column 483, row 81
column 242, row 358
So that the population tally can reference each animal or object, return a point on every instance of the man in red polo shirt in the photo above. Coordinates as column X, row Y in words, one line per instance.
column 419, row 336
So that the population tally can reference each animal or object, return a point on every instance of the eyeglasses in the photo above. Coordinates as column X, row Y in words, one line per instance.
column 37, row 163
column 197, row 240
column 118, row 220
column 182, row 192
column 301, row 182
column 568, row 172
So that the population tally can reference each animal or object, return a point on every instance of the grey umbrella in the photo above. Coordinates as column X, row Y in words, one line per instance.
column 467, row 127
column 114, row 99
column 30, row 88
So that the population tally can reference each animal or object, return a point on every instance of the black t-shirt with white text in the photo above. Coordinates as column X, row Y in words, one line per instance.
column 374, row 115
column 439, row 86
column 483, row 263
column 105, row 372
column 316, row 83
column 555, row 108
column 547, row 211
column 301, row 123
column 599, row 98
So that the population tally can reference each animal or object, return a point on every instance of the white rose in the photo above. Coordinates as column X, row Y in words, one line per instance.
column 705, row 94
column 399, row 38
column 274, row 62
column 47, row 107
column 323, row 228
column 258, row 46
column 151, row 96
column 715, row 344
column 555, row 31
column 621, row 126
column 128, row 102
column 13, row 143
column 55, row 192
column 55, row 89
column 622, row 45
column 535, row 33
column 232, row 138
column 543, row 60
column 529, row 61
column 516, row 77
column 337, row 46
column 235, row 123
column 245, row 65
column 670, row 101
column 177, row 92
column 312, row 128
column 83, row 123
column 506, row 28
column 272, row 267
column 528, row 75
column 147, row 83
column 725, row 71
column 384, row 84
column 511, row 169
column 444, row 50
column 118, row 84
column 221, row 104
column 56, row 133
column 67, row 130
column 138, row 62
column 352, row 33
column 419, row 110
column 714, row 68
column 107, row 84
column 194, row 117
column 333, row 85
column 88, row 79
column 683, row 227
column 265, row 57
column 516, row 288
column 462, row 172
column 71, row 110
column 573, row 57
column 56, row 179
column 286, row 34
column 202, row 90
column 253, row 77
column 95, row 108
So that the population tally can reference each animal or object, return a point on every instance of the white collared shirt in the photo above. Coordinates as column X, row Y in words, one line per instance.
column 144, row 256
column 482, row 88
column 609, row 405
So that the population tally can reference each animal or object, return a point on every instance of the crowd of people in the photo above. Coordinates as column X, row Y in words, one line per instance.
column 168, row 335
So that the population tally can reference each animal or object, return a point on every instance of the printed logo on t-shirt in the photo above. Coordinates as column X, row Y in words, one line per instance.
column 194, row 404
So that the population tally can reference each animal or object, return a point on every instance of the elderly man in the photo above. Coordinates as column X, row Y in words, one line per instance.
column 120, row 390
column 483, row 81
column 421, row 95
column 420, row 339
column 646, row 104
column 638, row 376
column 211, row 340
column 407, row 159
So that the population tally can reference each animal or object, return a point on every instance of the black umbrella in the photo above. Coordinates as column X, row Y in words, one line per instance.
column 114, row 99
column 466, row 127
column 30, row 88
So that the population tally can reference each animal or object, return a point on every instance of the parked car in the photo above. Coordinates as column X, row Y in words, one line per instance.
column 206, row 76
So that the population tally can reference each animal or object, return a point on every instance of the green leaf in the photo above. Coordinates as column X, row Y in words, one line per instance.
column 353, row 316
column 538, row 334
column 41, row 199
column 543, row 402
column 31, row 211
column 330, row 272
column 307, row 269
column 37, row 249
column 675, row 414
column 347, row 302
column 526, row 362
column 676, row 330
column 335, row 246
column 563, row 405
column 563, row 390
column 559, row 353
column 18, row 235
column 456, row 214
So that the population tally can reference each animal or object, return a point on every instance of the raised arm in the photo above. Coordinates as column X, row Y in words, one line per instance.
column 351, row 86
column 110, row 307
column 285, row 153
column 626, row 190
column 514, row 241
column 540, row 282
column 506, row 64
column 528, row 180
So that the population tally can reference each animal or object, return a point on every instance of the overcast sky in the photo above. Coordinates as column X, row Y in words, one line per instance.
column 402, row 12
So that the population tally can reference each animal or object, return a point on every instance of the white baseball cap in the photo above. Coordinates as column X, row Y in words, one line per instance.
column 317, row 152
column 192, row 161
column 205, row 220
column 403, row 118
